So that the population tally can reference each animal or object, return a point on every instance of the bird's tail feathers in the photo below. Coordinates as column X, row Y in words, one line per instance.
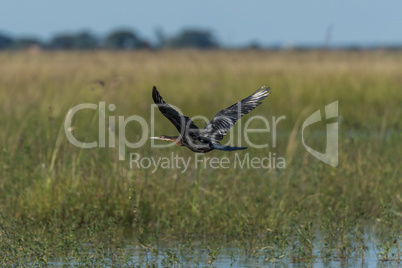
column 226, row 148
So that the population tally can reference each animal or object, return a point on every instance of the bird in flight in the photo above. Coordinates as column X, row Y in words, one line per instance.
column 207, row 139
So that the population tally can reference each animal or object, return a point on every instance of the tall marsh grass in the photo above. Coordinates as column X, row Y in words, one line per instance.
column 55, row 197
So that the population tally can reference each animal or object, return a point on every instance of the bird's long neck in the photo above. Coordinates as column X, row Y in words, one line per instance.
column 175, row 139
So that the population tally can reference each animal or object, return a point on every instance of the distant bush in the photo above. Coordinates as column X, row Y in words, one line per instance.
column 25, row 43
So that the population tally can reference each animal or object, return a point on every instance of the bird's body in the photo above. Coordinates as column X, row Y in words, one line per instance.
column 207, row 139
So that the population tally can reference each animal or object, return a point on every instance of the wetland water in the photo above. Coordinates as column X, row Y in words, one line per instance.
column 197, row 256
column 225, row 259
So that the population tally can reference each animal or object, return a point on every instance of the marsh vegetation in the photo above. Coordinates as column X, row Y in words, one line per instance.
column 64, row 205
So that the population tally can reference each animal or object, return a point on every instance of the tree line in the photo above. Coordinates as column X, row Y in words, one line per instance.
column 121, row 39
column 126, row 39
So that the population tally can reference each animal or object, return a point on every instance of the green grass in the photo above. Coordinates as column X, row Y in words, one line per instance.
column 84, row 205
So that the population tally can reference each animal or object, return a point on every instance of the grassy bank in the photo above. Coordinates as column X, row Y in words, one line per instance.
column 59, row 200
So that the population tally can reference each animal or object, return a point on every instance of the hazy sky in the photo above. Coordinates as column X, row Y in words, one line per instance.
column 234, row 22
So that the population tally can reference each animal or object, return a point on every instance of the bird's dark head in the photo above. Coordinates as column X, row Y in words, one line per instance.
column 175, row 139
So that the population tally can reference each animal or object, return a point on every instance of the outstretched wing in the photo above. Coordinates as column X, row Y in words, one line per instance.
column 181, row 122
column 216, row 129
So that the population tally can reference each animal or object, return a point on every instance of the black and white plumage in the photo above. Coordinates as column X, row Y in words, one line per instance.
column 207, row 139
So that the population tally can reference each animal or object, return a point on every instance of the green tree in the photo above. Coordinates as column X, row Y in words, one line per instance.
column 62, row 41
column 124, row 39
column 83, row 40
column 201, row 39
column 5, row 41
